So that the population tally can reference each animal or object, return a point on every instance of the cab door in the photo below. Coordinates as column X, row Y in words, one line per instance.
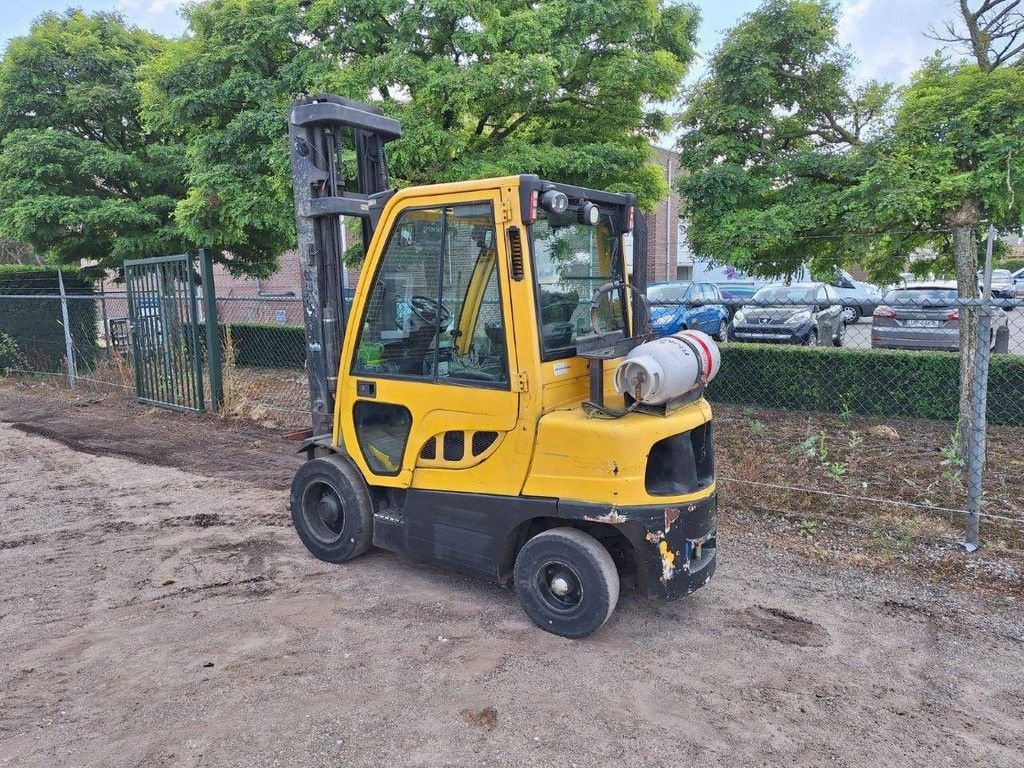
column 432, row 393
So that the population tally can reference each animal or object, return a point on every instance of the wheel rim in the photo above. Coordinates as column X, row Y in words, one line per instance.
column 323, row 513
column 559, row 586
column 849, row 314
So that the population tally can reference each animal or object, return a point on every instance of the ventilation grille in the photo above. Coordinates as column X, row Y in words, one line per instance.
column 482, row 441
column 515, row 251
column 429, row 450
column 454, row 445
column 458, row 448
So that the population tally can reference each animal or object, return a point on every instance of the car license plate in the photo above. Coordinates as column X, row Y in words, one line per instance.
column 922, row 323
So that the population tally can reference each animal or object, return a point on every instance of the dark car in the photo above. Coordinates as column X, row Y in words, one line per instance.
column 735, row 296
column 687, row 306
column 922, row 316
column 802, row 313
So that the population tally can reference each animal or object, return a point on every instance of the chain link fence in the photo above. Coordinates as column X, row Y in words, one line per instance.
column 907, row 407
column 821, row 412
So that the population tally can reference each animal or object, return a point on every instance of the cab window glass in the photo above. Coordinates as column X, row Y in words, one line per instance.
column 472, row 345
column 400, row 321
column 435, row 310
column 570, row 262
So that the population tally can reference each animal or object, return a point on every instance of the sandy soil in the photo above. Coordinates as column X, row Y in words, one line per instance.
column 165, row 614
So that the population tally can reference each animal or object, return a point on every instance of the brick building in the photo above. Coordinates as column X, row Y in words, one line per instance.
column 667, row 253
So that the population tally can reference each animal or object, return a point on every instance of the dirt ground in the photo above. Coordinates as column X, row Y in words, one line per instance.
column 158, row 610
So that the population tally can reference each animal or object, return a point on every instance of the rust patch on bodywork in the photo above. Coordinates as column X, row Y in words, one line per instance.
column 671, row 515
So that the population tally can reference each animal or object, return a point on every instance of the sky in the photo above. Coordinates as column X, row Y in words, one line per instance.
column 887, row 36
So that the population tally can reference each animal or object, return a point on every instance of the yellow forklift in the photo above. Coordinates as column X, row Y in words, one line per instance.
column 473, row 403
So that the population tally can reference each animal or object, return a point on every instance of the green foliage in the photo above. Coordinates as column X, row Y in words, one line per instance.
column 32, row 330
column 874, row 382
column 264, row 345
column 566, row 89
column 80, row 178
column 954, row 157
column 10, row 355
column 774, row 140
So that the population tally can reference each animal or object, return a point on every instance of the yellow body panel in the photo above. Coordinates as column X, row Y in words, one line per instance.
column 604, row 460
column 547, row 445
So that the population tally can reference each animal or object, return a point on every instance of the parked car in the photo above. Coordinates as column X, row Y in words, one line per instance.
column 1002, row 283
column 922, row 316
column 735, row 296
column 687, row 306
column 859, row 298
column 1017, row 278
column 802, row 313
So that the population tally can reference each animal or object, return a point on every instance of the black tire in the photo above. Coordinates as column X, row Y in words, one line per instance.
column 331, row 509
column 851, row 315
column 723, row 331
column 840, row 335
column 565, row 558
column 812, row 338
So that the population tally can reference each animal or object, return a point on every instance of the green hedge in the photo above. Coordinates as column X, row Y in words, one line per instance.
column 264, row 345
column 35, row 326
column 870, row 382
column 1011, row 264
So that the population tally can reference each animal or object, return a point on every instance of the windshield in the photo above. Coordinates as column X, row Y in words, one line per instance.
column 570, row 262
column 1001, row 275
column 921, row 296
column 667, row 292
column 784, row 294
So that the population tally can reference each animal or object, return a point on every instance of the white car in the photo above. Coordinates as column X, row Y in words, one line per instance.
column 1017, row 278
column 1002, row 283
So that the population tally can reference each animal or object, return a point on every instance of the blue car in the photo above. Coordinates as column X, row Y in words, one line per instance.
column 687, row 306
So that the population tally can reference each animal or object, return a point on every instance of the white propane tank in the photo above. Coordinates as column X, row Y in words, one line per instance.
column 661, row 370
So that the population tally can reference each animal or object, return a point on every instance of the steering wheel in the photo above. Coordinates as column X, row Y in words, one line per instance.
column 430, row 311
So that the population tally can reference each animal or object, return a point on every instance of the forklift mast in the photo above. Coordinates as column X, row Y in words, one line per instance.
column 322, row 129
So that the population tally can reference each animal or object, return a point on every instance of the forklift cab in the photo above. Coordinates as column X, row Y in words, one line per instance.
column 485, row 318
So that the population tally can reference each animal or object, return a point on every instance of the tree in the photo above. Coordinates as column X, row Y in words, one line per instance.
column 953, row 160
column 774, row 140
column 563, row 88
column 80, row 177
column 992, row 32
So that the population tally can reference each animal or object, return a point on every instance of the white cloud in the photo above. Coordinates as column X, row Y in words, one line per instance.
column 889, row 38
column 149, row 7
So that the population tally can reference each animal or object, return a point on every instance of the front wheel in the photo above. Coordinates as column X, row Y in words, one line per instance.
column 812, row 338
column 723, row 331
column 331, row 509
column 566, row 582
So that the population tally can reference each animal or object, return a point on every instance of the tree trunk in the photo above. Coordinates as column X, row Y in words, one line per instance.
column 964, row 222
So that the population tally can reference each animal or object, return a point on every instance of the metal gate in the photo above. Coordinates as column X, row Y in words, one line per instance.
column 165, row 332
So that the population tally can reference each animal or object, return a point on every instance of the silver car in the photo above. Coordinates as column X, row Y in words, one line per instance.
column 924, row 316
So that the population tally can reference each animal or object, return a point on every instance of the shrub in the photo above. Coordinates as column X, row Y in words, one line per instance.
column 263, row 345
column 886, row 383
column 36, row 327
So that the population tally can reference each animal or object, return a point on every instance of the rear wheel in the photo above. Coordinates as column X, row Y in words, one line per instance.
column 331, row 509
column 812, row 338
column 566, row 582
column 851, row 315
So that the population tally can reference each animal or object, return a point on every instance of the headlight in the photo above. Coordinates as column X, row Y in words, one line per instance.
column 799, row 317
column 739, row 318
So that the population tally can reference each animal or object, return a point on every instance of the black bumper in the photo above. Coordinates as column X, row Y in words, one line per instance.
column 675, row 545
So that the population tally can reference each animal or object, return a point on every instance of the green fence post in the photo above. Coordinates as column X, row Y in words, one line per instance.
column 214, row 356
